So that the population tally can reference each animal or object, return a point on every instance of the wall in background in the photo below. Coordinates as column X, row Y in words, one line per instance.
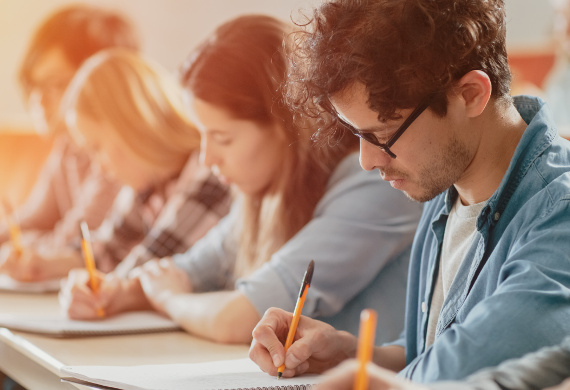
column 171, row 28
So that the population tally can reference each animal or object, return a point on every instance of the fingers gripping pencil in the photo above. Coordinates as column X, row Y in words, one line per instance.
column 298, row 309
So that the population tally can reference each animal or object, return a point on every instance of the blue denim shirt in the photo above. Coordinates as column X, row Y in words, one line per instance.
column 511, row 294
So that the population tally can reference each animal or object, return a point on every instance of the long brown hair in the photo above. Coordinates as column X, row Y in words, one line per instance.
column 241, row 68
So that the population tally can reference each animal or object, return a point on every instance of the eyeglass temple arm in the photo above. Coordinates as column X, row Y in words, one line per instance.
column 417, row 112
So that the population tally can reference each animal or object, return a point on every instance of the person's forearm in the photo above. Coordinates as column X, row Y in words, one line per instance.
column 392, row 357
column 222, row 316
column 346, row 345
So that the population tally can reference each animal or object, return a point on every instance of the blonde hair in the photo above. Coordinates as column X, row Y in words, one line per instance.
column 141, row 102
column 241, row 69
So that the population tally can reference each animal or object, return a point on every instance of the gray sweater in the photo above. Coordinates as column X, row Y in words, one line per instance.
column 360, row 238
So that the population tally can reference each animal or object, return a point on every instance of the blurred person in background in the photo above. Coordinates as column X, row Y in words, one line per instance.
column 128, row 113
column 295, row 201
column 70, row 187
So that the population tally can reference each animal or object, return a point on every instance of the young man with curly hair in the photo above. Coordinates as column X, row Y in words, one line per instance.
column 425, row 85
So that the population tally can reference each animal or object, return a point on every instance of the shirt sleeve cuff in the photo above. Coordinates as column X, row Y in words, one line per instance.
column 265, row 289
column 399, row 342
column 181, row 262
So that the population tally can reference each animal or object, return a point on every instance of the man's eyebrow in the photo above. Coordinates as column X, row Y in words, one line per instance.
column 217, row 131
column 373, row 129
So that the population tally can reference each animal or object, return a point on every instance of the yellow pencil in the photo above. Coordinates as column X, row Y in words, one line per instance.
column 14, row 228
column 90, row 262
column 366, row 336
column 298, row 309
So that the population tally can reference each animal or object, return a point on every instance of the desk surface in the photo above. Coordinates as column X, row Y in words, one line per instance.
column 34, row 360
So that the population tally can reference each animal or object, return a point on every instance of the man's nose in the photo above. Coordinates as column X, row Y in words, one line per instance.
column 372, row 157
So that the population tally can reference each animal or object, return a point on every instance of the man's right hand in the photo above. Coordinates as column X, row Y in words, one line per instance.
column 316, row 348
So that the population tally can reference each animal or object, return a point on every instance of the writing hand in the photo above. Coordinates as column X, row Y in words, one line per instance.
column 78, row 301
column 342, row 378
column 316, row 348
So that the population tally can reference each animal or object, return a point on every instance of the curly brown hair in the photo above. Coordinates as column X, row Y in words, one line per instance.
column 404, row 51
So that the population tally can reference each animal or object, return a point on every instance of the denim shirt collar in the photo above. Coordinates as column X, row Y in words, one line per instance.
column 537, row 137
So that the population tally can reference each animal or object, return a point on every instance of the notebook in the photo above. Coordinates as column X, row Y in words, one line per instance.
column 239, row 374
column 57, row 325
column 9, row 284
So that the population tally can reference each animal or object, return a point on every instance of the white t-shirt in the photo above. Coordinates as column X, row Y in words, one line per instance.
column 460, row 231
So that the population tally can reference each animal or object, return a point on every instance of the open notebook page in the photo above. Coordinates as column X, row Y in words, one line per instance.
column 226, row 375
column 9, row 284
column 60, row 326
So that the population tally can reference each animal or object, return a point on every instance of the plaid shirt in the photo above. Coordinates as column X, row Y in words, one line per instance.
column 163, row 222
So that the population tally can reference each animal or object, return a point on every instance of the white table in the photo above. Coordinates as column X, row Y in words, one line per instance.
column 34, row 361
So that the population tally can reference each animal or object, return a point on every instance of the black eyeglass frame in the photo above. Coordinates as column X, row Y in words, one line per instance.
column 371, row 138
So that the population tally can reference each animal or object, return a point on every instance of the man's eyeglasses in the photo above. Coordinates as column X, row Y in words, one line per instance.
column 369, row 137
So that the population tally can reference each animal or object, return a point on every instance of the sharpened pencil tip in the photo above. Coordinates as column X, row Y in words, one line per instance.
column 279, row 375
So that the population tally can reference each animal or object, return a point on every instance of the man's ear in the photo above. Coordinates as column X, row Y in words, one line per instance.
column 474, row 91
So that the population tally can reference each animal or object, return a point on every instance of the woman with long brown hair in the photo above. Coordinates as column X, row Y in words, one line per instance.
column 295, row 201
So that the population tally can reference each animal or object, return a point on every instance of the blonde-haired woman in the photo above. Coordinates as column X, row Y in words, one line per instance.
column 296, row 202
column 128, row 112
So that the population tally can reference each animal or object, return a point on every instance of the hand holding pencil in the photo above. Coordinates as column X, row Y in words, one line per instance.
column 298, row 309
column 379, row 378
column 360, row 373
column 13, row 227
column 12, row 261
column 78, row 301
column 316, row 346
